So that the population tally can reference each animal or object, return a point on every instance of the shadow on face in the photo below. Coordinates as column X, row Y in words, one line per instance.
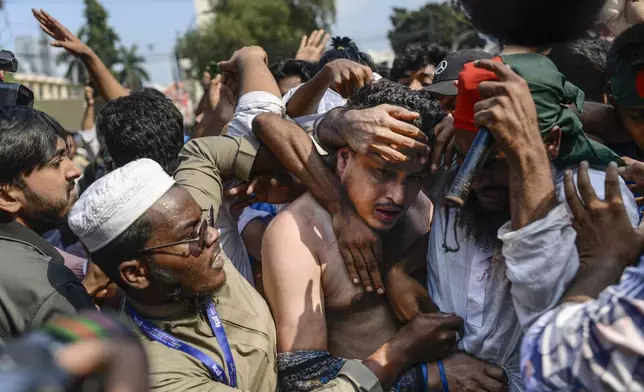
column 177, row 217
column 419, row 78
column 381, row 195
column 491, row 185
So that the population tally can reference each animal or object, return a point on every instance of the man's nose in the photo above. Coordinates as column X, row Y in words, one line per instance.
column 72, row 172
column 396, row 193
column 213, row 236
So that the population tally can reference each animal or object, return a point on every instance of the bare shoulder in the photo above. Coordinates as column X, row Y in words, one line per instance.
column 303, row 221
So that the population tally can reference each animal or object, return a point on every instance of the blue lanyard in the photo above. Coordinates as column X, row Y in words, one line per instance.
column 152, row 332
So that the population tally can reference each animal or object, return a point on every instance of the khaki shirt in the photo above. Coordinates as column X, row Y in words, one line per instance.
column 205, row 163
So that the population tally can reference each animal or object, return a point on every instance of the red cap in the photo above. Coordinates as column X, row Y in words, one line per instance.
column 468, row 94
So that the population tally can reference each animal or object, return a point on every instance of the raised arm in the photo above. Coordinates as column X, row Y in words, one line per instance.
column 343, row 75
column 510, row 114
column 88, row 116
column 105, row 82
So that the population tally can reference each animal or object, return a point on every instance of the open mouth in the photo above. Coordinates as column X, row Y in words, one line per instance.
column 388, row 215
column 218, row 258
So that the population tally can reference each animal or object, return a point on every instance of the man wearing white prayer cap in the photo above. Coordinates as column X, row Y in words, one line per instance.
column 204, row 327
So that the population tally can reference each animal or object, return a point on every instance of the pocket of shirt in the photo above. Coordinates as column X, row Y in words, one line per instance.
column 476, row 293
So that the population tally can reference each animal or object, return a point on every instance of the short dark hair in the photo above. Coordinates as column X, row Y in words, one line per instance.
column 583, row 63
column 627, row 50
column 142, row 125
column 28, row 140
column 387, row 92
column 124, row 247
column 416, row 56
column 533, row 23
column 292, row 67
column 345, row 48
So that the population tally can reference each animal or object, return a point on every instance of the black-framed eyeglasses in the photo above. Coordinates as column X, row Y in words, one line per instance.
column 201, row 239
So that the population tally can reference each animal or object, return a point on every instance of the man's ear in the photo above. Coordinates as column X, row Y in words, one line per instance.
column 342, row 161
column 11, row 199
column 135, row 274
column 553, row 142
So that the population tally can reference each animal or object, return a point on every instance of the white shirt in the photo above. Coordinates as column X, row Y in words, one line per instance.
column 248, row 106
column 499, row 295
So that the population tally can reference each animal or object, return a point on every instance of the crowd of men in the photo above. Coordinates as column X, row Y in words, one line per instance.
column 300, row 240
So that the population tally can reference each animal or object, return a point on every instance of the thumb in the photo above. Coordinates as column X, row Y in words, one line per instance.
column 425, row 303
column 401, row 113
column 629, row 161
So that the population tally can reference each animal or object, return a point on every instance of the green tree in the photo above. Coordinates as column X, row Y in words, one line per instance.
column 133, row 74
column 440, row 23
column 276, row 25
column 98, row 35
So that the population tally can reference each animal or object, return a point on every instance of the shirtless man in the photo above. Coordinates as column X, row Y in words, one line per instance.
column 315, row 304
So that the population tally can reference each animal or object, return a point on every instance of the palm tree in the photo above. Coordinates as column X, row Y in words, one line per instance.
column 133, row 74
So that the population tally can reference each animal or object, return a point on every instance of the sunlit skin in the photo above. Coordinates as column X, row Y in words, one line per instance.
column 53, row 183
column 419, row 78
column 380, row 195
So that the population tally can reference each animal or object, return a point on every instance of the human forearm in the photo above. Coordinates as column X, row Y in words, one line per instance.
column 590, row 282
column 327, row 130
column 296, row 151
column 387, row 363
column 206, row 163
column 307, row 98
column 107, row 85
column 88, row 118
column 532, row 190
column 541, row 261
column 255, row 76
column 210, row 125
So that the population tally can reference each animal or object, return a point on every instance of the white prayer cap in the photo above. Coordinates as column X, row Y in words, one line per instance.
column 108, row 207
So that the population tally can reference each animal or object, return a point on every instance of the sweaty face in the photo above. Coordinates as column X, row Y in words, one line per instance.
column 184, row 269
column 49, row 192
column 419, row 78
column 491, row 186
column 633, row 120
column 380, row 195
column 289, row 82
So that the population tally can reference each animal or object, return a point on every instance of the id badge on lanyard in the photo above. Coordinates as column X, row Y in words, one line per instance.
column 218, row 374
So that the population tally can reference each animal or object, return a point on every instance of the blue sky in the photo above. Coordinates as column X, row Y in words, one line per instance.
column 154, row 24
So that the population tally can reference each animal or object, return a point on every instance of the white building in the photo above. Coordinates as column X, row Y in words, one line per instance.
column 47, row 88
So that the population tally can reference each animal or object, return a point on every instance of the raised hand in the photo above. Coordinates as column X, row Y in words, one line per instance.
column 63, row 38
column 606, row 239
column 382, row 130
column 312, row 47
column 241, row 56
column 347, row 76
column 508, row 110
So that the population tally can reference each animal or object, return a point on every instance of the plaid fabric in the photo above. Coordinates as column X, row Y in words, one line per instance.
column 593, row 346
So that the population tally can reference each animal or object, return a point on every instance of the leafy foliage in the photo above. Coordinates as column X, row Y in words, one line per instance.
column 438, row 23
column 276, row 25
